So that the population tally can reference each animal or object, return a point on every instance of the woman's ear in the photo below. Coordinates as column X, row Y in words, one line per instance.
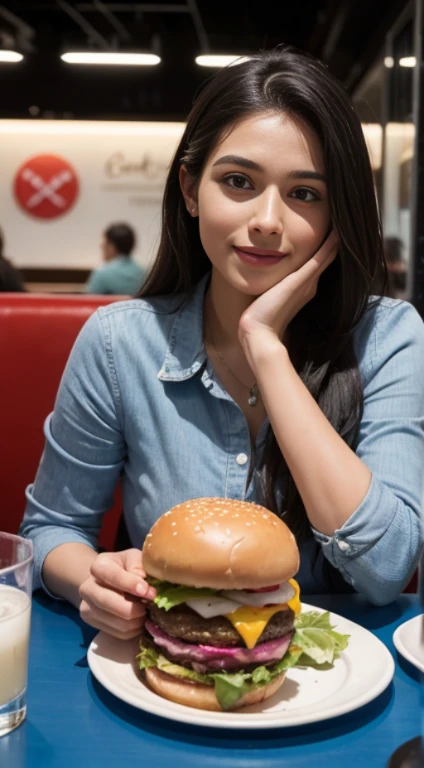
column 188, row 188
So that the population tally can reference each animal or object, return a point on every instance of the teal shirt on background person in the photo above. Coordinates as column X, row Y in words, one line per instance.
column 120, row 276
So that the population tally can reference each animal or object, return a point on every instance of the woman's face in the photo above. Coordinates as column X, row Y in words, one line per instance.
column 264, row 188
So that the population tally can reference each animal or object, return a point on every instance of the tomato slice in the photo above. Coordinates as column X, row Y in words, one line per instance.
column 264, row 589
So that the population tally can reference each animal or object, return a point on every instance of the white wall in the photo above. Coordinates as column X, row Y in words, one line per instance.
column 121, row 169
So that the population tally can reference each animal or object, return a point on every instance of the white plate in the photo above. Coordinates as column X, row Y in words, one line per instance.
column 307, row 695
column 408, row 641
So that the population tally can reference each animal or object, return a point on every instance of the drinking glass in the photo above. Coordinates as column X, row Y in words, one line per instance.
column 16, row 561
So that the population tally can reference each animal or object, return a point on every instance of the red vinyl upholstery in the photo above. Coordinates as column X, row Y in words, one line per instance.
column 37, row 333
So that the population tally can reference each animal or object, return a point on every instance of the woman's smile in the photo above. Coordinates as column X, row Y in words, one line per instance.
column 259, row 258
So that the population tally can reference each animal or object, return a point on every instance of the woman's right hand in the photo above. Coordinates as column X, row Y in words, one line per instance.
column 111, row 597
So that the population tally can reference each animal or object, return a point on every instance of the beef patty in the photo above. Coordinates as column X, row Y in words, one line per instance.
column 185, row 624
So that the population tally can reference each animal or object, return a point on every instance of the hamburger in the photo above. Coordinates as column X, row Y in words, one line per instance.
column 222, row 631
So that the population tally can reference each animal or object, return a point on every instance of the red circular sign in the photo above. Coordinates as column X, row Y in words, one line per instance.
column 46, row 186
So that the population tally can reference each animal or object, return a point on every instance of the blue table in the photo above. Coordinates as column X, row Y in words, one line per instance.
column 74, row 723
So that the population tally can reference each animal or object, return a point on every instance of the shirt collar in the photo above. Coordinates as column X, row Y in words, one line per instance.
column 186, row 353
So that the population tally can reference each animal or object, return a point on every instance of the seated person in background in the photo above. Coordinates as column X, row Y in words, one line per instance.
column 10, row 278
column 120, row 274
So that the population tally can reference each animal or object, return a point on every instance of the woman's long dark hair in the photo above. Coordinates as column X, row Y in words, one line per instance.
column 321, row 340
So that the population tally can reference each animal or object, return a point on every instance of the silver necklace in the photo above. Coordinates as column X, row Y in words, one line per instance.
column 253, row 390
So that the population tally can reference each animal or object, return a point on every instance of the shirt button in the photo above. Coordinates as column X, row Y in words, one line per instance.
column 344, row 546
column 241, row 459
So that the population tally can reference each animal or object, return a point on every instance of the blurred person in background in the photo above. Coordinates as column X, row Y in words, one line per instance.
column 10, row 278
column 396, row 267
column 119, row 274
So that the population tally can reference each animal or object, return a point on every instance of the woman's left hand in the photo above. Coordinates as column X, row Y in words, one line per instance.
column 270, row 314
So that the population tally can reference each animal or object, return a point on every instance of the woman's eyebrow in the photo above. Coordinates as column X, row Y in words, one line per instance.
column 252, row 166
column 236, row 160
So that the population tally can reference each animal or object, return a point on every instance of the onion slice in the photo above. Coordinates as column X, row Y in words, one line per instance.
column 284, row 593
column 209, row 607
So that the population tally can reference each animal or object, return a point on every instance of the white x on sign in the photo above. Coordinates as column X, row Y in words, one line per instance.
column 46, row 190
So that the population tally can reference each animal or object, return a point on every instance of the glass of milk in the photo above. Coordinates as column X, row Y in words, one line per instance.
column 15, row 614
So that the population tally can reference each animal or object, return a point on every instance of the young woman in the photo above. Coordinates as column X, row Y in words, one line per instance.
column 258, row 362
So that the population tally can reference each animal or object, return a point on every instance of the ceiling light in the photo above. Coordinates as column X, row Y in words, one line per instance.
column 10, row 57
column 408, row 61
column 389, row 62
column 219, row 61
column 112, row 58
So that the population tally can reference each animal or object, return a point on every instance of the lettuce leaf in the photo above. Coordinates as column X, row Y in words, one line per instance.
column 316, row 637
column 169, row 595
column 315, row 643
column 290, row 658
column 229, row 689
column 148, row 657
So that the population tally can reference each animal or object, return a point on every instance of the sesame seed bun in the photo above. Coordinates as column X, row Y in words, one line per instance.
column 222, row 544
column 203, row 696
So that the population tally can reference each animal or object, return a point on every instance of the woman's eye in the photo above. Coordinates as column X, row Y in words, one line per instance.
column 236, row 181
column 305, row 195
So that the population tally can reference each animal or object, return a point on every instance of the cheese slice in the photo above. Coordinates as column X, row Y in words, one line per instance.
column 294, row 603
column 251, row 622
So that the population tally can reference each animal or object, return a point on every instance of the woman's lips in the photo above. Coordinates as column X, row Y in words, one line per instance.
column 257, row 259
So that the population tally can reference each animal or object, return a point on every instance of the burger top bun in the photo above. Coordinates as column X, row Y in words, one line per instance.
column 222, row 544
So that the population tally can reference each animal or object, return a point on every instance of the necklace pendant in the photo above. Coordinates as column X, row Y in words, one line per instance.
column 253, row 396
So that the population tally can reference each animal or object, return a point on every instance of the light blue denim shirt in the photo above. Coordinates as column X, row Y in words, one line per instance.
column 140, row 400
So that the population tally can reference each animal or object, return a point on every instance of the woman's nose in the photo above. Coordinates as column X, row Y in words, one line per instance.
column 267, row 216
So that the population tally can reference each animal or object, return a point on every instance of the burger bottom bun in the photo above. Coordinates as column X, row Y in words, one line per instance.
column 202, row 696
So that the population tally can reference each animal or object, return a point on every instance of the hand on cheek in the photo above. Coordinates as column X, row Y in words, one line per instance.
column 271, row 313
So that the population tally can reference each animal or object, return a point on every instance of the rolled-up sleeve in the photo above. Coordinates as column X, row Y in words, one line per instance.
column 378, row 548
column 84, row 450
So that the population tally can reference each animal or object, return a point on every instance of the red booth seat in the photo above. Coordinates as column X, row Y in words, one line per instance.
column 37, row 333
